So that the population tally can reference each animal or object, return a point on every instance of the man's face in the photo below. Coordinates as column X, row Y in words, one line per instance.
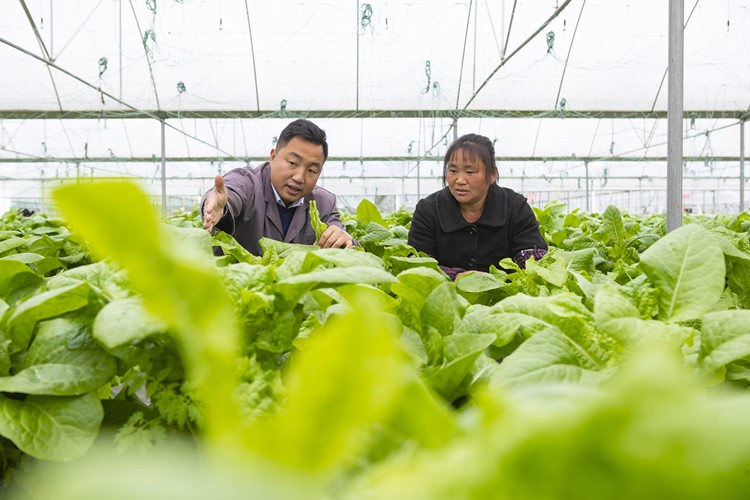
column 295, row 168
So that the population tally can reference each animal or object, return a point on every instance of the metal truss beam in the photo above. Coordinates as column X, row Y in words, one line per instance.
column 20, row 114
column 208, row 159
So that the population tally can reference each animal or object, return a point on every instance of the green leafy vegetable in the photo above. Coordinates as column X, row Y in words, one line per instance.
column 317, row 225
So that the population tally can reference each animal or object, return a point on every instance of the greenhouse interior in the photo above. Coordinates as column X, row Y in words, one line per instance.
column 176, row 325
column 574, row 95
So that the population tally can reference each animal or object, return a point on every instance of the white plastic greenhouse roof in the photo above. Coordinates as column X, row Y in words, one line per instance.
column 384, row 78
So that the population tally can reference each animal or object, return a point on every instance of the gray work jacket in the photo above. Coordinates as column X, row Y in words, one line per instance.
column 252, row 211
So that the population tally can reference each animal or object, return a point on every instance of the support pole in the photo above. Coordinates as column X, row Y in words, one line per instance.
column 163, row 170
column 356, row 105
column 51, row 32
column 119, row 21
column 742, row 163
column 674, row 114
column 419, row 191
column 588, row 196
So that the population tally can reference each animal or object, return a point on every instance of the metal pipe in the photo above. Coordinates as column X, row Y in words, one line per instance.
column 742, row 164
column 163, row 170
column 356, row 104
column 588, row 196
column 674, row 114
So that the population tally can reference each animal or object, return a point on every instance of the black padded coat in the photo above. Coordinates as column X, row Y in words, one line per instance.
column 507, row 226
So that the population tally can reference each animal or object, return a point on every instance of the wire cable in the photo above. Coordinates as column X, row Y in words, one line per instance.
column 510, row 25
column 570, row 49
column 502, row 63
column 119, row 101
column 44, row 50
column 148, row 59
column 252, row 51
column 463, row 55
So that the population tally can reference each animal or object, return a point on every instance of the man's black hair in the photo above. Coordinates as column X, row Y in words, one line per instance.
column 304, row 129
column 473, row 146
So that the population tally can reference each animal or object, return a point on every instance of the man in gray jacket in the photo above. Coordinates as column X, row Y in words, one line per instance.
column 273, row 199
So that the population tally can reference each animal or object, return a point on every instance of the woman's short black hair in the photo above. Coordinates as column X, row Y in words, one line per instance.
column 304, row 129
column 475, row 146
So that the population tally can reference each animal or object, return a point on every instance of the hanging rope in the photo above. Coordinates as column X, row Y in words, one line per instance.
column 366, row 16
column 570, row 48
column 427, row 72
column 145, row 48
column 102, row 66
column 502, row 63
column 146, row 35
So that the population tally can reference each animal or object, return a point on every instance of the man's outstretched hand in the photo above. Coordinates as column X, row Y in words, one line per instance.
column 213, row 208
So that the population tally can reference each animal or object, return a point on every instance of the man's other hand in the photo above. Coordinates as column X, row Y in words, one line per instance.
column 335, row 237
column 216, row 201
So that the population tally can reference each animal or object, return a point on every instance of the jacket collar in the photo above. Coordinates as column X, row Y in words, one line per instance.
column 494, row 214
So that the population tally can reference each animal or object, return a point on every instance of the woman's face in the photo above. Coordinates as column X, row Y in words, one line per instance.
column 466, row 176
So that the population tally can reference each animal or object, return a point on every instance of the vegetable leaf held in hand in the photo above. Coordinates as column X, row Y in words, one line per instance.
column 317, row 225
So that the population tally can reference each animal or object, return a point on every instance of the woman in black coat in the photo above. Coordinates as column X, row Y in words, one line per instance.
column 472, row 222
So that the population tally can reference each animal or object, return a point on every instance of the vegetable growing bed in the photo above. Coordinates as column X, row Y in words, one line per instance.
column 134, row 363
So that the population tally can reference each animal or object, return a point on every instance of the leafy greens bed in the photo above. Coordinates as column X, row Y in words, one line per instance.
column 625, row 360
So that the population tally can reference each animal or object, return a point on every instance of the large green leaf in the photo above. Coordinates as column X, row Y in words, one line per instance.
column 178, row 281
column 50, row 427
column 563, row 311
column 443, row 309
column 461, row 351
column 577, row 260
column 229, row 246
column 725, row 337
column 367, row 295
column 413, row 288
column 550, row 357
column 612, row 228
column 481, row 288
column 374, row 233
column 11, row 244
column 619, row 318
column 295, row 286
column 340, row 257
column 61, row 362
column 41, row 264
column 124, row 321
column 400, row 263
column 554, row 271
column 104, row 276
column 15, row 275
column 351, row 376
column 687, row 269
column 45, row 305
column 504, row 326
column 367, row 212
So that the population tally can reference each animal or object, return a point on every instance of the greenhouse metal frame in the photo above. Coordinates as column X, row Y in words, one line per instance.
column 569, row 176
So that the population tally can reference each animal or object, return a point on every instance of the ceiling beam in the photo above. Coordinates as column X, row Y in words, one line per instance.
column 20, row 114
column 254, row 159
